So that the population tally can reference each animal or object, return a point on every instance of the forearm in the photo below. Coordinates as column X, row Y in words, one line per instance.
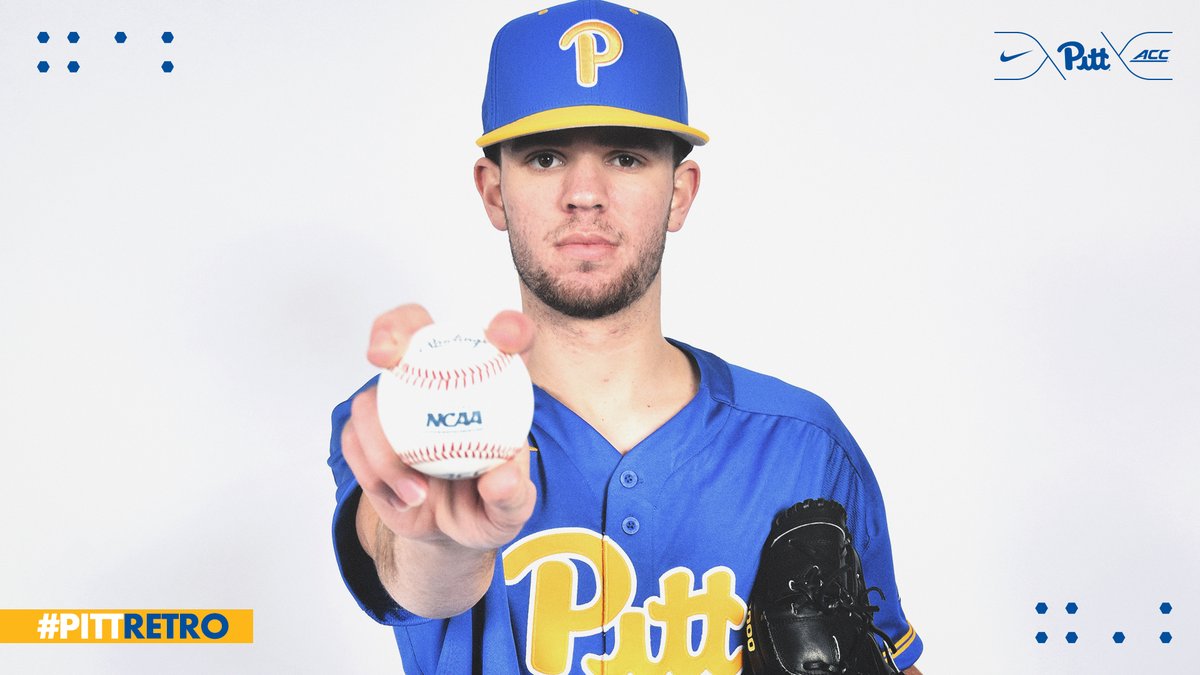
column 430, row 579
column 911, row 670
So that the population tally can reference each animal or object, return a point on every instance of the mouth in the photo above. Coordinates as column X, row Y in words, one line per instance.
column 584, row 246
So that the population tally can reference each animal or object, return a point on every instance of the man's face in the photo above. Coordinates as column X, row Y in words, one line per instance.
column 587, row 212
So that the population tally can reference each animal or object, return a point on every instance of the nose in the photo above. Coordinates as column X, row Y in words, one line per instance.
column 584, row 186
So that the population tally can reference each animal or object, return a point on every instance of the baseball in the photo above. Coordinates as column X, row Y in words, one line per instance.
column 455, row 406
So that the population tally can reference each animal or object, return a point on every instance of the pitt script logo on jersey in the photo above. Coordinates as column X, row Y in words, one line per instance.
column 587, row 59
column 556, row 619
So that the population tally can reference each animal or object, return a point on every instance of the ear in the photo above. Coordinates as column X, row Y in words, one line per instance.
column 687, row 183
column 487, row 182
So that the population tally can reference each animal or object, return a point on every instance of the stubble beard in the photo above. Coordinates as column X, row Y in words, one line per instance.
column 577, row 301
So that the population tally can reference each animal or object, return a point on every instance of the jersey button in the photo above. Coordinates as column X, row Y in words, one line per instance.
column 628, row 479
column 630, row 525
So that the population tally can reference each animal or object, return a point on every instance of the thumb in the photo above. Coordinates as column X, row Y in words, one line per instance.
column 507, row 493
column 511, row 331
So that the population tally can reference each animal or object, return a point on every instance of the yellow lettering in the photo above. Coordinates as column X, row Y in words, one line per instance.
column 715, row 605
column 555, row 618
column 587, row 60
column 631, row 651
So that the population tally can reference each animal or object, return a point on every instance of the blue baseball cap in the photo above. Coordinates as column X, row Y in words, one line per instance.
column 585, row 64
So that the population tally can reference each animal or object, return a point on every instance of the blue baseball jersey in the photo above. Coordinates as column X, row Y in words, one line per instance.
column 642, row 562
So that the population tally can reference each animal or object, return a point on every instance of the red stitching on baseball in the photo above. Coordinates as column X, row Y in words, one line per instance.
column 425, row 378
column 470, row 450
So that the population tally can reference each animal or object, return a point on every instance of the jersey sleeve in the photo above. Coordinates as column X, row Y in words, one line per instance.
column 357, row 568
column 851, row 481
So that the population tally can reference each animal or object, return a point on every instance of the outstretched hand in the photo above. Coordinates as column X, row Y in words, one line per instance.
column 483, row 513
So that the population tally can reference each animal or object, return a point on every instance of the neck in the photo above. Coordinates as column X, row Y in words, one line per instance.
column 570, row 352
column 609, row 368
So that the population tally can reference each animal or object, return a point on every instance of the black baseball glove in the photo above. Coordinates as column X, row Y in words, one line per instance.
column 809, row 613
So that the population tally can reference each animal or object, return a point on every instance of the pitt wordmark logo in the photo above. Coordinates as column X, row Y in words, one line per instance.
column 587, row 59
column 556, row 619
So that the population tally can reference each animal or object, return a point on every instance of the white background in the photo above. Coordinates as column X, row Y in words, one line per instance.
column 994, row 283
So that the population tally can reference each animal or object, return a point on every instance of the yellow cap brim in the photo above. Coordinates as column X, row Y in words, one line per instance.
column 575, row 117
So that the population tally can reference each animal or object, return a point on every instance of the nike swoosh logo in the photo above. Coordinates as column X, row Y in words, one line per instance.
column 1006, row 59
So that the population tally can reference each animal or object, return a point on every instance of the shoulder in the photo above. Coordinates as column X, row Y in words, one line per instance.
column 755, row 393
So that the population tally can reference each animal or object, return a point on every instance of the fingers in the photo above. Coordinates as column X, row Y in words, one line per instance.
column 380, row 472
column 511, row 331
column 391, row 332
column 508, row 494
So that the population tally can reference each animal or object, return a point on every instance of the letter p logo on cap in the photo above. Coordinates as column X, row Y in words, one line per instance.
column 587, row 59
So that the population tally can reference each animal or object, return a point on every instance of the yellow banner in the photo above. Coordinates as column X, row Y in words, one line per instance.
column 149, row 626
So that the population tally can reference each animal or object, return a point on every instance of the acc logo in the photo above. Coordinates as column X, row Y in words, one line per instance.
column 589, row 59
column 1074, row 56
column 1151, row 56
column 453, row 419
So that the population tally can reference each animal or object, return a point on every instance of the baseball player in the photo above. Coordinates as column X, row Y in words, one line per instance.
column 626, row 537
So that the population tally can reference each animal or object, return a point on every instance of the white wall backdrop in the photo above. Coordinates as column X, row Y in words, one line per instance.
column 995, row 284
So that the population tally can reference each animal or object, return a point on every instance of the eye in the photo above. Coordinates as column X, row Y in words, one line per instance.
column 626, row 161
column 545, row 160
